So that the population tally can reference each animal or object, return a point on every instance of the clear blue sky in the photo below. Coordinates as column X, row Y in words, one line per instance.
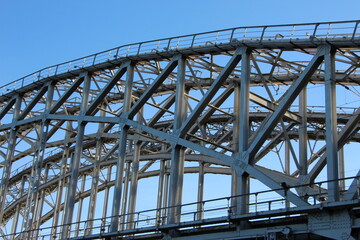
column 38, row 33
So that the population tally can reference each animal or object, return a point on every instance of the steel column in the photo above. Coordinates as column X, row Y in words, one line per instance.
column 134, row 185
column 331, row 126
column 80, row 207
column 303, row 133
column 159, row 203
column 95, row 177
column 75, row 165
column 106, row 200
column 165, row 209
column 9, row 156
column 61, row 182
column 16, row 216
column 33, row 195
column 200, row 195
column 235, row 147
column 39, row 208
column 125, row 196
column 342, row 168
column 177, row 153
column 122, row 151
column 243, row 185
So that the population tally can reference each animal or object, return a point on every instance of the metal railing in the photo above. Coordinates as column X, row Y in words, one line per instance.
column 149, row 221
column 325, row 30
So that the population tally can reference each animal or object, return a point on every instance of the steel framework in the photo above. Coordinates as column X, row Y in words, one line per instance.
column 266, row 119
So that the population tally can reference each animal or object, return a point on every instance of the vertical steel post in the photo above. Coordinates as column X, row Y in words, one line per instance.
column 122, row 151
column 331, row 126
column 165, row 208
column 200, row 194
column 287, row 165
column 17, row 211
column 95, row 179
column 40, row 206
column 134, row 177
column 160, row 192
column 80, row 206
column 106, row 198
column 33, row 198
column 235, row 146
column 134, row 185
column 303, row 133
column 125, row 196
column 342, row 168
column 177, row 153
column 75, row 165
column 61, row 182
column 243, row 204
column 287, row 158
column 9, row 156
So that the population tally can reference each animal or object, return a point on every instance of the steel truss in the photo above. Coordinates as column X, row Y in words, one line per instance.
column 262, row 106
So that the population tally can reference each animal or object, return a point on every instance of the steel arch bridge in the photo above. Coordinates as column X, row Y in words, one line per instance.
column 242, row 133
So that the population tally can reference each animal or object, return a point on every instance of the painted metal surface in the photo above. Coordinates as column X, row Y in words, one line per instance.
column 270, row 113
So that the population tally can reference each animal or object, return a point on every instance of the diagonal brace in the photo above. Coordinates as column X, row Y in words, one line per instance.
column 288, row 99
column 224, row 74
column 152, row 88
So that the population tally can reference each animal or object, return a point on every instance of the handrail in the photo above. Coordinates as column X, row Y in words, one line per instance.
column 151, row 218
column 229, row 35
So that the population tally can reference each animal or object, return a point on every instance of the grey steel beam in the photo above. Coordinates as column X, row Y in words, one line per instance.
column 161, row 190
column 125, row 197
column 303, row 140
column 200, row 194
column 122, row 151
column 293, row 198
column 285, row 103
column 215, row 104
column 272, row 106
column 344, row 136
column 342, row 169
column 134, row 185
column 164, row 210
column 37, row 166
column 39, row 208
column 106, row 198
column 331, row 126
column 95, row 178
column 61, row 183
column 169, row 102
column 221, row 157
column 79, row 207
column 275, row 140
column 67, row 94
column 9, row 156
column 100, row 97
column 243, row 158
column 235, row 179
column 35, row 100
column 177, row 152
column 287, row 158
column 14, row 226
column 7, row 107
column 225, row 72
column 152, row 88
column 75, row 165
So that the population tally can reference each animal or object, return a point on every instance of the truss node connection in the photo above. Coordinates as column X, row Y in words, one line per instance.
column 241, row 133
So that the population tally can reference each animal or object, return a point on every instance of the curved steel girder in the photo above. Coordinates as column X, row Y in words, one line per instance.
column 289, row 44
